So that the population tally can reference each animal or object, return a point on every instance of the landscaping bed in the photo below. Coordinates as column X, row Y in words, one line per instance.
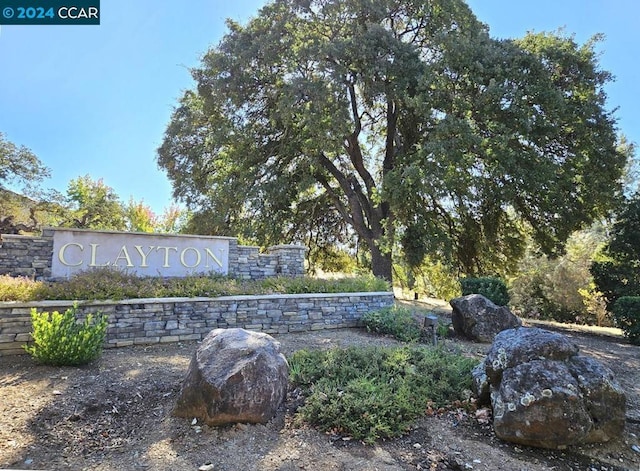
column 116, row 414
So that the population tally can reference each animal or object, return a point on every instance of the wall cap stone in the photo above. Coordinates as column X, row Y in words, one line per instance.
column 19, row 236
column 288, row 246
column 159, row 234
column 110, row 302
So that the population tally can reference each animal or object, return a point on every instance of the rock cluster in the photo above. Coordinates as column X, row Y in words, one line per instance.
column 545, row 394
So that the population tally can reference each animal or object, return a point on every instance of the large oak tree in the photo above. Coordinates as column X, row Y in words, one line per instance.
column 404, row 120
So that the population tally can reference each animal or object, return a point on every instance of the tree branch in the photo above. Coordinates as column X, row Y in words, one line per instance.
column 354, row 197
column 353, row 146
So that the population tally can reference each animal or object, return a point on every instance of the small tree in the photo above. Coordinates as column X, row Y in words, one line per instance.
column 617, row 273
column 94, row 205
column 19, row 164
column 561, row 288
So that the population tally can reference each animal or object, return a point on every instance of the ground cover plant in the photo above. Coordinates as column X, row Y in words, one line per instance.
column 116, row 284
column 395, row 321
column 369, row 393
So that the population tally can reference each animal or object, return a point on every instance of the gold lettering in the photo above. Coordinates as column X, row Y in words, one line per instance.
column 166, row 254
column 94, row 251
column 124, row 254
column 198, row 257
column 209, row 253
column 143, row 255
column 62, row 258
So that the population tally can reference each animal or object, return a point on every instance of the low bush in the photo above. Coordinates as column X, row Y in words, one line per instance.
column 395, row 321
column 59, row 339
column 19, row 288
column 491, row 288
column 431, row 278
column 114, row 284
column 616, row 279
column 626, row 312
column 369, row 393
column 350, row 284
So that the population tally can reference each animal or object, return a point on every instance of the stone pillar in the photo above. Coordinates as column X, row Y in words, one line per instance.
column 290, row 259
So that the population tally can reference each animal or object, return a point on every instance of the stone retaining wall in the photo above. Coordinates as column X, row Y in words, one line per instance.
column 32, row 257
column 148, row 321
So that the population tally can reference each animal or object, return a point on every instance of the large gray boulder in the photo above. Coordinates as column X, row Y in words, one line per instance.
column 478, row 318
column 545, row 394
column 235, row 376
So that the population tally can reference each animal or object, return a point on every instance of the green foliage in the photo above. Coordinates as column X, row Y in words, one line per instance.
column 93, row 205
column 397, row 118
column 430, row 278
column 491, row 288
column 19, row 164
column 104, row 283
column 617, row 273
column 395, row 321
column 350, row 284
column 615, row 279
column 173, row 220
column 139, row 217
column 371, row 393
column 626, row 311
column 110, row 283
column 19, row 288
column 561, row 288
column 59, row 339
column 331, row 260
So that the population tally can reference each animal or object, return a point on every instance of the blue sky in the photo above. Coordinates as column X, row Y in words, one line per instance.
column 96, row 99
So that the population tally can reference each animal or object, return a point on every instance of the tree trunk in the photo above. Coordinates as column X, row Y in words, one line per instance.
column 380, row 262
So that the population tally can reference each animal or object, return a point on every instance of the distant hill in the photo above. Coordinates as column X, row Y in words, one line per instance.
column 22, row 215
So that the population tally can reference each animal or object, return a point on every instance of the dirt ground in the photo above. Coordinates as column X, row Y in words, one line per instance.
column 115, row 414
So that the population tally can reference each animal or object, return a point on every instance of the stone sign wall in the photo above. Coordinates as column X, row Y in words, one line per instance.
column 143, row 254
column 148, row 321
column 59, row 253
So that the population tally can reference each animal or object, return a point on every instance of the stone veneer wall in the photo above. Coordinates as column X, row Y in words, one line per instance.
column 148, row 321
column 280, row 260
column 26, row 255
column 32, row 257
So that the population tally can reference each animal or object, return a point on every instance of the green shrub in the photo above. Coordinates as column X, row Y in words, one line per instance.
column 105, row 283
column 616, row 279
column 350, row 284
column 626, row 312
column 59, row 339
column 561, row 288
column 371, row 392
column 617, row 271
column 19, row 288
column 112, row 283
column 491, row 288
column 430, row 278
column 395, row 321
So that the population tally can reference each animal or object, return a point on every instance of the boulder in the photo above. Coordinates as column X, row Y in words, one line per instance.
column 604, row 398
column 477, row 318
column 538, row 404
column 480, row 384
column 545, row 394
column 513, row 347
column 235, row 376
